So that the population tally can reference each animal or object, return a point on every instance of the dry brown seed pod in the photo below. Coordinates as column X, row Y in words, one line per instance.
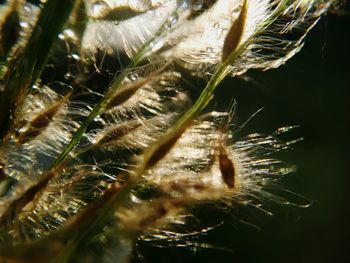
column 117, row 131
column 129, row 89
column 227, row 168
column 163, row 148
column 28, row 195
column 28, row 130
column 235, row 33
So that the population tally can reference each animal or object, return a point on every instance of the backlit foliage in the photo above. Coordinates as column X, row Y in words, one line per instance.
column 104, row 142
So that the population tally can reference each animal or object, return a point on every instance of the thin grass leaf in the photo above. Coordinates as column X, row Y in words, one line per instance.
column 103, row 104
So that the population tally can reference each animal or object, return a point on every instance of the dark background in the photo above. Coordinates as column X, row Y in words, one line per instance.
column 312, row 90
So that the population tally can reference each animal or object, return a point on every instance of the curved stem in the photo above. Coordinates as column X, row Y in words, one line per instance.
column 100, row 107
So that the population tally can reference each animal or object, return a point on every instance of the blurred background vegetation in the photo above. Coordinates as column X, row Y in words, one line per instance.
column 312, row 90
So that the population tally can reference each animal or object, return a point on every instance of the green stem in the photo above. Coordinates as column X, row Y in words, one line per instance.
column 121, row 195
column 221, row 72
column 114, row 197
column 97, row 110
column 100, row 107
